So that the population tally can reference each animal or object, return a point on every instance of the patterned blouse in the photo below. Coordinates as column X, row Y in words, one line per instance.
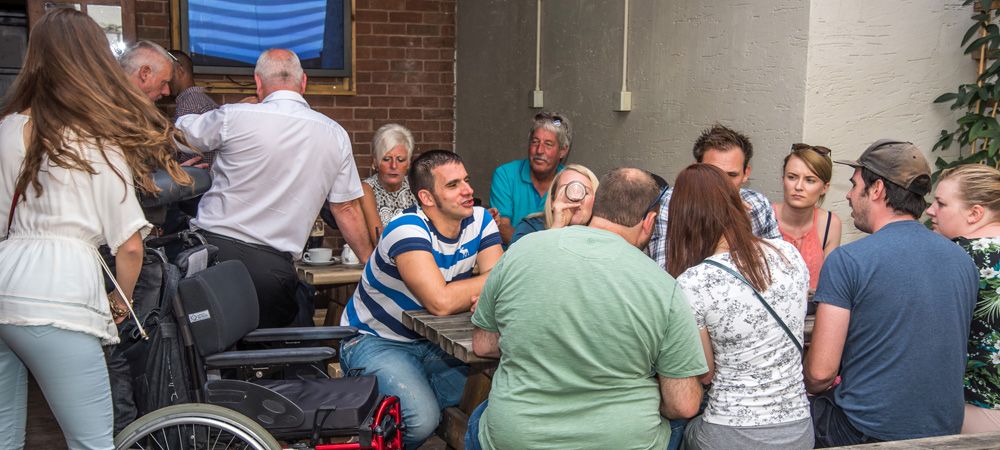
column 982, row 377
column 390, row 204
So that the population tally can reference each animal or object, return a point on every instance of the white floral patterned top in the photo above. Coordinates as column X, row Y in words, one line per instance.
column 390, row 204
column 758, row 370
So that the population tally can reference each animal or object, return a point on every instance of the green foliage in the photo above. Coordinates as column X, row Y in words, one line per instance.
column 977, row 133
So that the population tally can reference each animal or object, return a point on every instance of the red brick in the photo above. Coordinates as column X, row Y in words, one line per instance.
column 446, row 102
column 404, row 41
column 422, row 5
column 371, row 113
column 363, row 77
column 155, row 7
column 406, row 66
column 438, row 114
column 356, row 125
column 438, row 66
column 159, row 35
column 439, row 137
column 388, row 53
column 351, row 101
column 365, row 137
column 405, row 113
column 423, row 125
column 155, row 20
column 421, row 102
column 423, row 53
column 422, row 77
column 388, row 28
column 370, row 16
column 387, row 4
column 439, row 18
column 372, row 65
column 363, row 29
column 363, row 53
column 439, row 89
column 338, row 114
column 423, row 30
column 388, row 77
column 386, row 102
column 448, row 78
column 403, row 89
column 374, row 89
column 406, row 17
column 373, row 41
column 438, row 42
column 448, row 30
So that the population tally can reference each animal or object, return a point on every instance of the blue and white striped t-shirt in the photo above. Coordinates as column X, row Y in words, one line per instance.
column 378, row 304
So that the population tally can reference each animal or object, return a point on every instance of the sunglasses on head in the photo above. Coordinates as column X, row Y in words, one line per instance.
column 556, row 119
column 652, row 206
column 822, row 151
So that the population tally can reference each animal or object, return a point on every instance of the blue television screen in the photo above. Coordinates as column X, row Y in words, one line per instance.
column 227, row 36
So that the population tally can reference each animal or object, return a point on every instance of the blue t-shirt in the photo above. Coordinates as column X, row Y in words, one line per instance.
column 513, row 194
column 378, row 304
column 527, row 226
column 911, row 293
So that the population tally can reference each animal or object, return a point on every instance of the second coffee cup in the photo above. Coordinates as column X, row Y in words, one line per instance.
column 318, row 255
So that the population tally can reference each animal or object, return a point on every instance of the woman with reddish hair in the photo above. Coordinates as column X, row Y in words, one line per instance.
column 748, row 296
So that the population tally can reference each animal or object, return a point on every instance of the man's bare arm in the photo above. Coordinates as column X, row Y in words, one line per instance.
column 423, row 278
column 351, row 222
column 679, row 397
column 827, row 347
column 485, row 344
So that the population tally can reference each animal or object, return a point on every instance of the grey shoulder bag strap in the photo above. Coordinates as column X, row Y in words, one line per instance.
column 784, row 327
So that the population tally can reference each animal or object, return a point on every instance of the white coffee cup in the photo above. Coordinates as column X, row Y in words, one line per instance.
column 348, row 256
column 318, row 255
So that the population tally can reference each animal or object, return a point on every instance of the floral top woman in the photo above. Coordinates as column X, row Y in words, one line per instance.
column 387, row 193
column 966, row 209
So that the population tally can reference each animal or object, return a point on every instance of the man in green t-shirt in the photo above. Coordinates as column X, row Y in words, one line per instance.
column 597, row 345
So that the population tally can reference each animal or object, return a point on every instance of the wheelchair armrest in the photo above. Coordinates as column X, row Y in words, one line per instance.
column 241, row 358
column 299, row 334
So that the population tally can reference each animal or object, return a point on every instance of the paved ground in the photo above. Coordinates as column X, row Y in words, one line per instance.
column 43, row 431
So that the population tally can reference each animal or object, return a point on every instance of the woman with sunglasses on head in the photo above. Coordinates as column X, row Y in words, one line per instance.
column 966, row 209
column 77, row 140
column 748, row 296
column 814, row 231
column 573, row 193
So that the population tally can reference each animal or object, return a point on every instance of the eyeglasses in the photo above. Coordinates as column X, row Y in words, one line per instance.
column 656, row 201
column 822, row 151
column 556, row 119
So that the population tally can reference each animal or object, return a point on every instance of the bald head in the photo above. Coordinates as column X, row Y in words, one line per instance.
column 278, row 69
column 624, row 196
column 149, row 67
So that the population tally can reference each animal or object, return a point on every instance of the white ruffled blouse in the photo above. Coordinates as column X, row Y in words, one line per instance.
column 49, row 268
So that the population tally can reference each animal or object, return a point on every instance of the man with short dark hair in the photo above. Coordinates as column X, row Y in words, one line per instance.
column 276, row 163
column 424, row 260
column 597, row 345
column 519, row 187
column 149, row 67
column 894, row 313
column 730, row 151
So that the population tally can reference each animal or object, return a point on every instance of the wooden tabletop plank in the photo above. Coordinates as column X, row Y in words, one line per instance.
column 452, row 333
column 336, row 274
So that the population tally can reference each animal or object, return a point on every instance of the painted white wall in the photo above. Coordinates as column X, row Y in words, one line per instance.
column 873, row 70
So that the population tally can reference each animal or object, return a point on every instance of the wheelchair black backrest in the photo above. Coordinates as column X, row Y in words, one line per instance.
column 220, row 306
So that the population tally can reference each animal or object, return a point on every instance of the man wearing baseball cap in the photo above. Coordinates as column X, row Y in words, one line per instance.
column 893, row 314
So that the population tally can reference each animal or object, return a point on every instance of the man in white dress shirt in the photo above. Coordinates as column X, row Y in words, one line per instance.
column 276, row 161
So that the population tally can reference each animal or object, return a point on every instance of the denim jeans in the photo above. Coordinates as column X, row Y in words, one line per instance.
column 831, row 426
column 423, row 376
column 69, row 367
column 472, row 432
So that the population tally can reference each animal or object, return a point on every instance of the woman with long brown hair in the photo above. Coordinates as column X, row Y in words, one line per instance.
column 748, row 297
column 77, row 141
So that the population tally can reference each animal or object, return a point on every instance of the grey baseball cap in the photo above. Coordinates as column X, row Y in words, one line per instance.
column 900, row 162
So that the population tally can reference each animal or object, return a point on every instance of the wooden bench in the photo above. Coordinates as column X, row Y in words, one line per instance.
column 979, row 441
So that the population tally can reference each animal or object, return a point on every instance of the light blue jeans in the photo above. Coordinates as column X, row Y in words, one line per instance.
column 423, row 376
column 69, row 367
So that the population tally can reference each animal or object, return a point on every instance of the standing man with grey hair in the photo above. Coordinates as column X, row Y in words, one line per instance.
column 276, row 161
column 149, row 67
column 519, row 187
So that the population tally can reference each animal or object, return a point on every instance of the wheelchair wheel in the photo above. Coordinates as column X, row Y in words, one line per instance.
column 195, row 427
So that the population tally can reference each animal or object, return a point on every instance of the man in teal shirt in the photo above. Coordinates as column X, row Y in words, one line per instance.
column 518, row 187
column 599, row 347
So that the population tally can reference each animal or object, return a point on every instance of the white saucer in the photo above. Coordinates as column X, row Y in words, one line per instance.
column 335, row 260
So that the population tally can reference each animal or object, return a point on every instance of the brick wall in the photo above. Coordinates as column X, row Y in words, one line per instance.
column 405, row 60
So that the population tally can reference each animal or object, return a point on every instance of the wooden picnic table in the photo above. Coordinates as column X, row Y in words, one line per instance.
column 341, row 278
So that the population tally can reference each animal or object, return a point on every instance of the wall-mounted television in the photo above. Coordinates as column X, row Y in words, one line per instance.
column 226, row 36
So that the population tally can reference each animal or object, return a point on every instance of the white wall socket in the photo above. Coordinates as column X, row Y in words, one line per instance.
column 536, row 99
column 624, row 101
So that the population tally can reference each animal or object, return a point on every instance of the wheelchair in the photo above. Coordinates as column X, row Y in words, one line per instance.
column 258, row 398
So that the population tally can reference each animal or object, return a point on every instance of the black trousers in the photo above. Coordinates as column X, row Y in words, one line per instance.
column 831, row 425
column 273, row 275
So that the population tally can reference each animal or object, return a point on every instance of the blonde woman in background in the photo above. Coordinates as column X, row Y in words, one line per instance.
column 562, row 211
column 966, row 209
column 814, row 231
column 387, row 191
column 77, row 141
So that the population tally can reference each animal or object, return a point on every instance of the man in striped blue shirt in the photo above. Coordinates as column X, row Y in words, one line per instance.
column 424, row 260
